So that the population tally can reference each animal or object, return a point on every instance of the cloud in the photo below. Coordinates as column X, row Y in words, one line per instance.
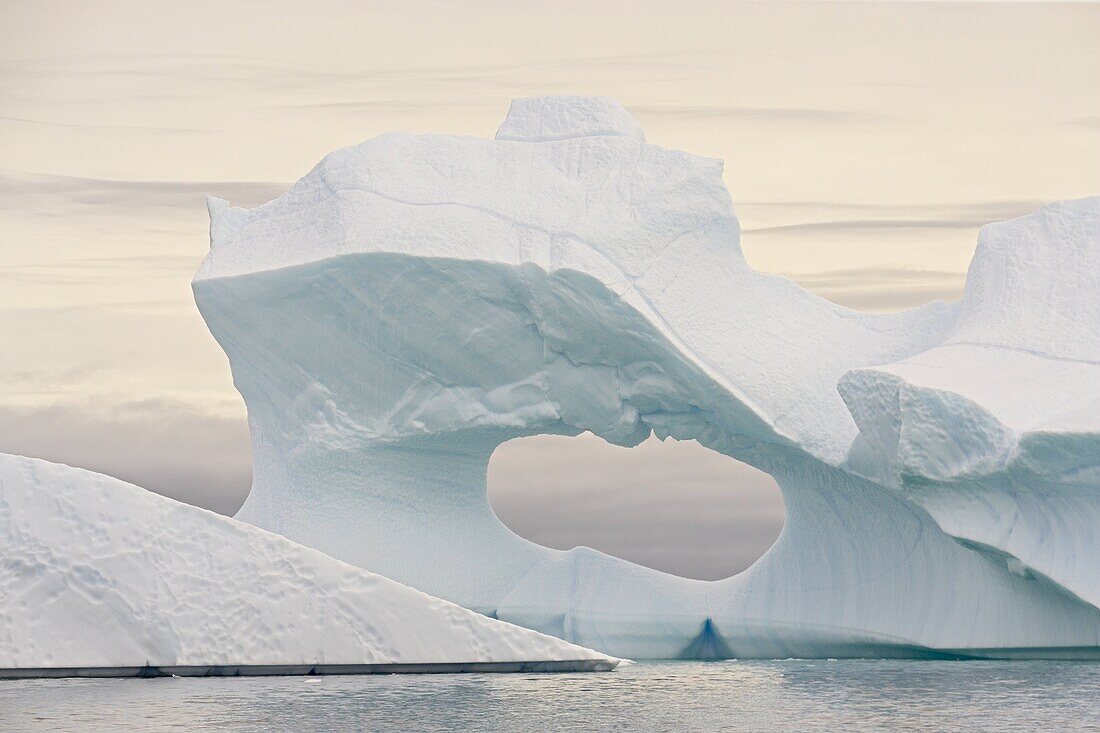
column 30, row 191
column 883, row 289
column 876, row 276
column 390, row 106
column 852, row 217
column 161, row 445
column 719, row 113
column 876, row 289
column 21, row 276
column 854, row 224
column 80, row 270
column 888, row 300
column 87, row 126
column 31, row 377
column 121, row 78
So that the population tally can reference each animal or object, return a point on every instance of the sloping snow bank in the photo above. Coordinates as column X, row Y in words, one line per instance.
column 98, row 573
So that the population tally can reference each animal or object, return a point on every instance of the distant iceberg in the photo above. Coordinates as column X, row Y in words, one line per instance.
column 416, row 300
column 99, row 577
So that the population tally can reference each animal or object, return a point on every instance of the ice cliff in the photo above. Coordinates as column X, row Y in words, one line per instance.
column 98, row 574
column 414, row 301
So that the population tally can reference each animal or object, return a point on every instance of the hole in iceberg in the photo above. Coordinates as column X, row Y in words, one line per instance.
column 673, row 506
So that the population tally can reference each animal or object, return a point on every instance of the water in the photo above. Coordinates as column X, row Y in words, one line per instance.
column 676, row 696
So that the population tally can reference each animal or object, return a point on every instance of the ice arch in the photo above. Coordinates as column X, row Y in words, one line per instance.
column 415, row 301
column 669, row 505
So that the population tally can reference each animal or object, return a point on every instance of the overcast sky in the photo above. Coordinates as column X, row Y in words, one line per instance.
column 864, row 145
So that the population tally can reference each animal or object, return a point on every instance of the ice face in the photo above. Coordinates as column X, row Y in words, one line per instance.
column 99, row 573
column 414, row 301
column 996, row 432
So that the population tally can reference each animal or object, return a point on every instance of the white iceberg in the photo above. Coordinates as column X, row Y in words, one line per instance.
column 100, row 577
column 996, row 431
column 414, row 301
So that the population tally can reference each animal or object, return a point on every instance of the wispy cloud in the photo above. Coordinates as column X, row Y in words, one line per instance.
column 840, row 217
column 874, row 276
column 852, row 224
column 80, row 271
column 182, row 75
column 89, row 126
column 108, row 310
column 161, row 445
column 889, row 300
column 166, row 262
column 883, row 289
column 70, row 376
column 25, row 192
column 772, row 114
column 410, row 106
column 1089, row 122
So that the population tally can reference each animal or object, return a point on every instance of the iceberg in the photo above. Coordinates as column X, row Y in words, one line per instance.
column 101, row 578
column 416, row 300
column 995, row 432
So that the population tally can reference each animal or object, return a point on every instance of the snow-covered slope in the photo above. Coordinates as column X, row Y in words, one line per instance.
column 414, row 301
column 98, row 573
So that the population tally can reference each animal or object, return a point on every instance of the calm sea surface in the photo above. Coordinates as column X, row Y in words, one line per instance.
column 675, row 696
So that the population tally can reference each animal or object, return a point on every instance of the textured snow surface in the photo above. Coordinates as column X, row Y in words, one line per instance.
column 96, row 572
column 414, row 301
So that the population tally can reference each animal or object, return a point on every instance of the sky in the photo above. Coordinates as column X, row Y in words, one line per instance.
column 864, row 145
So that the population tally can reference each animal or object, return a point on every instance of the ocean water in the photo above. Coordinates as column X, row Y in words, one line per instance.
column 802, row 696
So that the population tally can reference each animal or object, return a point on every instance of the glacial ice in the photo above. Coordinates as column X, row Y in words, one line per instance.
column 97, row 573
column 416, row 300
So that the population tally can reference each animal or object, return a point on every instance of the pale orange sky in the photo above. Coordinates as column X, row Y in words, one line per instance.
column 864, row 145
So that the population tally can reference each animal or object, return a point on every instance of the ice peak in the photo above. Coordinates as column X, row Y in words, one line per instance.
column 225, row 220
column 544, row 119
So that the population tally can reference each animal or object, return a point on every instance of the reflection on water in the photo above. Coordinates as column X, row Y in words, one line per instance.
column 676, row 696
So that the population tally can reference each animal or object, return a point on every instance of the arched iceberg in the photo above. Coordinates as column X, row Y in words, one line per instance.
column 414, row 301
